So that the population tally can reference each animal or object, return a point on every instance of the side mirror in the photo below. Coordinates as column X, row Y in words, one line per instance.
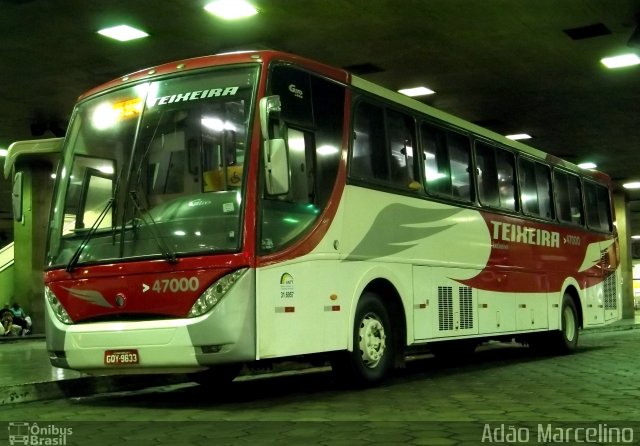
column 276, row 163
column 16, row 196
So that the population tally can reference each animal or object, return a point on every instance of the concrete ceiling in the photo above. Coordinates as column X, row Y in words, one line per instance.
column 509, row 65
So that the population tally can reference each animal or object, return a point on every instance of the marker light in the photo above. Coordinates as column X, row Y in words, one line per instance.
column 587, row 165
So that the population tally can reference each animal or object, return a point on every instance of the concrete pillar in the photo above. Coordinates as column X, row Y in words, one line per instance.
column 621, row 208
column 30, row 239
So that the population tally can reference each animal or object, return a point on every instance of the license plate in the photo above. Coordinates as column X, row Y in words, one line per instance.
column 121, row 357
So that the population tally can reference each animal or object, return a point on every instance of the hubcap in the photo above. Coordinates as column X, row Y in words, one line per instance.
column 372, row 340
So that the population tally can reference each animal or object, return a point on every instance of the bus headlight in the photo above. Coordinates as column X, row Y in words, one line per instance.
column 214, row 293
column 56, row 306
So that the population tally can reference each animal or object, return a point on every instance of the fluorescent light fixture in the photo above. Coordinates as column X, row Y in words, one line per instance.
column 624, row 60
column 231, row 9
column 635, row 237
column 587, row 165
column 417, row 91
column 632, row 185
column 122, row 33
column 518, row 136
column 3, row 152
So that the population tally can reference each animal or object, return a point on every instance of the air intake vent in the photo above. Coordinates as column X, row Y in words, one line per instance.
column 610, row 292
column 466, row 307
column 445, row 308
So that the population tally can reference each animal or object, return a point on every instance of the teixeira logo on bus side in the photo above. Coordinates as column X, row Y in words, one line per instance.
column 509, row 232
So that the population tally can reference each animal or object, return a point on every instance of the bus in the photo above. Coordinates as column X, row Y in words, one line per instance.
column 250, row 208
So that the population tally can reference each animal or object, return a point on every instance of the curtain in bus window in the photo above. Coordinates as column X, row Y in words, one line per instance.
column 597, row 207
column 495, row 175
column 460, row 166
column 446, row 162
column 401, row 148
column 568, row 198
column 506, row 167
column 487, row 175
column 369, row 158
column 535, row 189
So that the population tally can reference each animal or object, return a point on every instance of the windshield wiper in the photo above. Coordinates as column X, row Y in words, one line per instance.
column 165, row 249
column 85, row 241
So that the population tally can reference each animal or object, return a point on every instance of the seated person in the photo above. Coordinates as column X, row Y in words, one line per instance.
column 20, row 318
column 7, row 321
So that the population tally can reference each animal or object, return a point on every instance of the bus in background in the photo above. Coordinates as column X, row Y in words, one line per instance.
column 257, row 207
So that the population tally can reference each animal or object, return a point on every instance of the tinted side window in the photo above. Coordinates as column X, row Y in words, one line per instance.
column 401, row 134
column 597, row 206
column 496, row 177
column 447, row 163
column 535, row 189
column 568, row 197
column 383, row 147
column 369, row 158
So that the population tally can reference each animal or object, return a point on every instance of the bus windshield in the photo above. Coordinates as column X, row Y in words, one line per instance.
column 155, row 169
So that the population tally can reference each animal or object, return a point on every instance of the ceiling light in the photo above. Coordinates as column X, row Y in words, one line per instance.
column 123, row 33
column 632, row 185
column 636, row 237
column 3, row 152
column 231, row 9
column 624, row 60
column 417, row 91
column 518, row 136
column 587, row 165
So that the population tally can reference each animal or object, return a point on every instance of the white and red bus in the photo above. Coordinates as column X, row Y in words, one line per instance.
column 259, row 207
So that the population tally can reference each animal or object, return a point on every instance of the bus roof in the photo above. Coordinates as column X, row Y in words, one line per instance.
column 340, row 75
column 240, row 57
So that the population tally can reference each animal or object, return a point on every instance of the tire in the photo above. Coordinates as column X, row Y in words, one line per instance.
column 566, row 339
column 373, row 352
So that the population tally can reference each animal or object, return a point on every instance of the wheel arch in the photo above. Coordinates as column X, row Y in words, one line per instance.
column 390, row 297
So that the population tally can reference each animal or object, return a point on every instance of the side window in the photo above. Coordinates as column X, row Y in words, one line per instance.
column 446, row 162
column 369, row 159
column 496, row 177
column 383, row 147
column 568, row 197
column 598, row 206
column 535, row 188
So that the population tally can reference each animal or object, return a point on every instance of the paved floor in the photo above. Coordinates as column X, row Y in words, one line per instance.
column 498, row 392
column 26, row 375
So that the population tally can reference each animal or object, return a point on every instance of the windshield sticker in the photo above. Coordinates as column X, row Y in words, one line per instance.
column 193, row 95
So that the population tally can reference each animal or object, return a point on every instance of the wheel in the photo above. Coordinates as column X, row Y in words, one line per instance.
column 217, row 376
column 373, row 345
column 566, row 339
